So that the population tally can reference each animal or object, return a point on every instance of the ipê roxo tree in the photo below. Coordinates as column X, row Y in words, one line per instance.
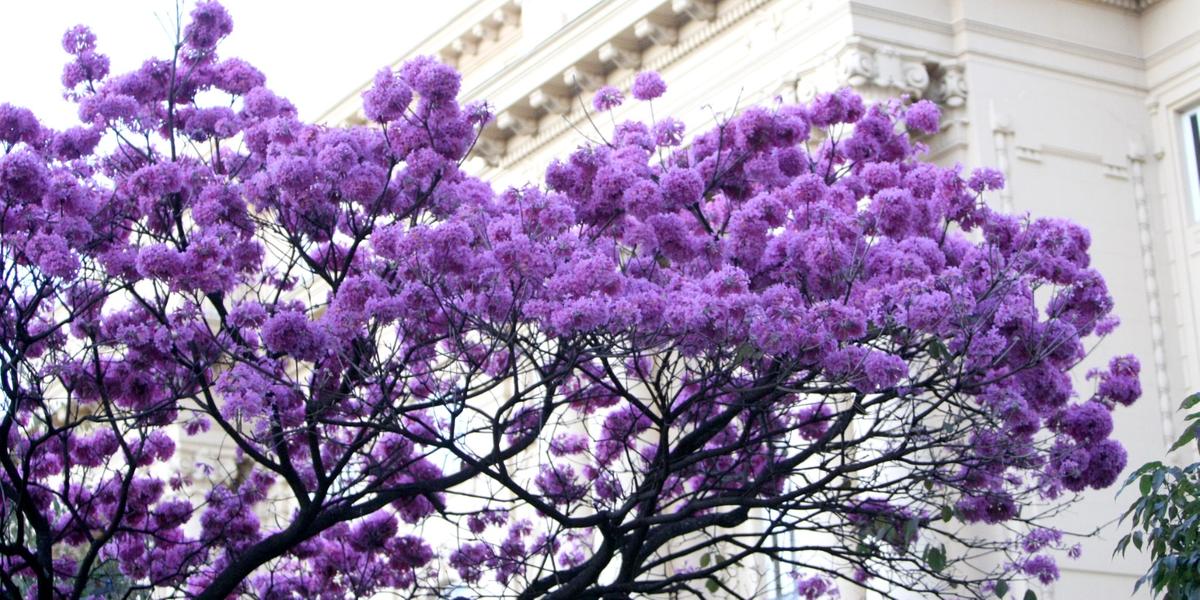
column 786, row 339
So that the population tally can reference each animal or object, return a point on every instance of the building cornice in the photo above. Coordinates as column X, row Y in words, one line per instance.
column 1134, row 5
column 458, row 38
column 605, row 44
column 610, row 41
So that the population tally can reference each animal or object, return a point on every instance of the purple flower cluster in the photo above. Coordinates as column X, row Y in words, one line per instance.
column 607, row 98
column 210, row 22
column 648, row 86
column 388, row 98
column 815, row 587
column 923, row 116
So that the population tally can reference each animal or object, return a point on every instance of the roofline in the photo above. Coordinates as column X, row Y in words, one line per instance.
column 433, row 44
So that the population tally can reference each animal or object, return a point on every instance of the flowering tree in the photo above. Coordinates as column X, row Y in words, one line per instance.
column 788, row 338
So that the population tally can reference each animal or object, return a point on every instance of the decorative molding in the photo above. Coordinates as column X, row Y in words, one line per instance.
column 1115, row 171
column 549, row 102
column 881, row 71
column 1028, row 154
column 582, row 80
column 505, row 16
column 1173, row 49
column 1001, row 132
column 1162, row 386
column 938, row 26
column 516, row 125
column 1134, row 5
column 698, row 10
column 1050, row 43
column 490, row 149
column 655, row 33
column 788, row 87
column 1072, row 153
column 486, row 29
column 458, row 48
column 884, row 67
column 949, row 86
column 619, row 56
column 877, row 71
column 721, row 22
column 1126, row 4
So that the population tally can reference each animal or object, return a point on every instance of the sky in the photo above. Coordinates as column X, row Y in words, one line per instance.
column 313, row 53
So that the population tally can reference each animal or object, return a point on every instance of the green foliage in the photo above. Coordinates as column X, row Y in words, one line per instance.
column 1165, row 519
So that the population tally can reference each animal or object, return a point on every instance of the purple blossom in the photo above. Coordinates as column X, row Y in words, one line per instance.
column 988, row 507
column 842, row 106
column 814, row 587
column 607, row 98
column 1120, row 384
column 884, row 370
column 87, row 66
column 373, row 533
column 238, row 77
column 1106, row 461
column 648, row 85
column 470, row 561
column 210, row 22
column 668, row 132
column 565, row 444
column 986, row 178
column 1088, row 423
column 560, row 484
column 681, row 187
column 1041, row 538
column 18, row 125
column 78, row 39
column 1041, row 567
column 75, row 142
column 51, row 253
column 291, row 332
column 433, row 80
column 814, row 421
column 388, row 99
column 922, row 116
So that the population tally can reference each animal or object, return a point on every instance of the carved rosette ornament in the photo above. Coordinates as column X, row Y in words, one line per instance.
column 883, row 71
column 877, row 72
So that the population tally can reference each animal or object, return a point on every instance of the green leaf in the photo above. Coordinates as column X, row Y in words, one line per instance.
column 935, row 557
column 746, row 352
column 705, row 560
column 938, row 350
column 1190, row 401
column 1030, row 595
column 1001, row 588
column 713, row 585
column 1189, row 434
column 947, row 513
column 1145, row 485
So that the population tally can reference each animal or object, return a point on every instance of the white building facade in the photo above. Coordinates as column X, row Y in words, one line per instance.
column 1091, row 108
